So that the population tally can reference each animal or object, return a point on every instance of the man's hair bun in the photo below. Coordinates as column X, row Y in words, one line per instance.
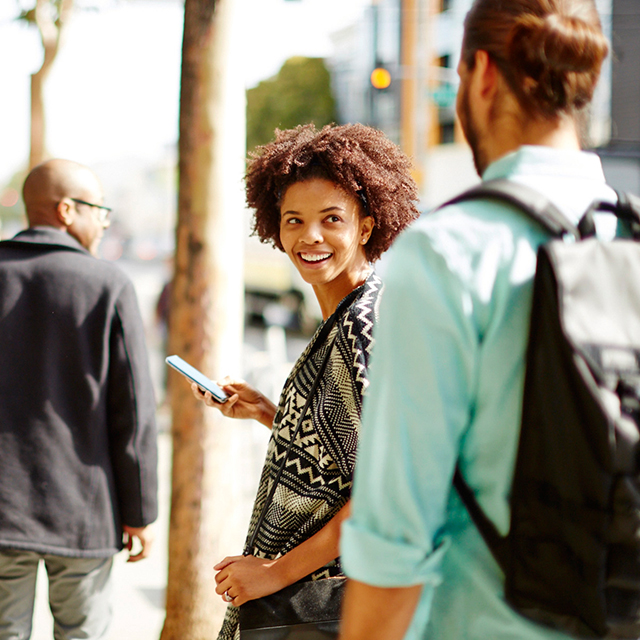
column 550, row 52
column 555, row 61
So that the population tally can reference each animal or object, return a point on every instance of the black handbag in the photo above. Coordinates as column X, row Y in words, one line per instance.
column 302, row 611
column 306, row 610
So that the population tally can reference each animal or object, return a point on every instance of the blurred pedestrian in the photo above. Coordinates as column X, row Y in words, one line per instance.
column 448, row 368
column 333, row 200
column 77, row 411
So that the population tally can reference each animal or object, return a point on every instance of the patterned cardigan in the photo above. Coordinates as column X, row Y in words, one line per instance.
column 316, row 481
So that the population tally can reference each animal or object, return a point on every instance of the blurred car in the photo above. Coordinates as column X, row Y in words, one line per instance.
column 275, row 293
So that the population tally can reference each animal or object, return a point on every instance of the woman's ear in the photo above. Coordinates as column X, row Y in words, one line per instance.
column 366, row 229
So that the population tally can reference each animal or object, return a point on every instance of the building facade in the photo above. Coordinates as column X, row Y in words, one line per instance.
column 418, row 43
column 621, row 154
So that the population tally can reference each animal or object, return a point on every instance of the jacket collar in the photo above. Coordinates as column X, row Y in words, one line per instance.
column 50, row 237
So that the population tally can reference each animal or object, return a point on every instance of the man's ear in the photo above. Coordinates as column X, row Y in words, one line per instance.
column 65, row 212
column 485, row 76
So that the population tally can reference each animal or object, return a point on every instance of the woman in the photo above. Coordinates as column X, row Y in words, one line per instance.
column 334, row 201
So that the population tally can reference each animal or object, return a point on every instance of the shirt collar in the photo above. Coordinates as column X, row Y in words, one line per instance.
column 45, row 235
column 541, row 160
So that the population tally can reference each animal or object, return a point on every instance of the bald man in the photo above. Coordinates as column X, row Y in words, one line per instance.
column 78, row 451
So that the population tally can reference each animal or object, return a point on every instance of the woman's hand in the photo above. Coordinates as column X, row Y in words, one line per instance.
column 245, row 578
column 244, row 401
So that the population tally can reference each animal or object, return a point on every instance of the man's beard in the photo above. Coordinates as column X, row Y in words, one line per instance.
column 470, row 130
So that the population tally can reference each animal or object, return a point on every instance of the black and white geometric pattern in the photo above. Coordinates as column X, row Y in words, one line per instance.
column 316, row 481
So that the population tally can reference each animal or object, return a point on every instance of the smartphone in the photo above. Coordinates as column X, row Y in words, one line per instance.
column 200, row 379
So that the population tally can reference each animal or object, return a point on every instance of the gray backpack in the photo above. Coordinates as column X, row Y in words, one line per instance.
column 572, row 556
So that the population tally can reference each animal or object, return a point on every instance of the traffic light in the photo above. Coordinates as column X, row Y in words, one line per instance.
column 380, row 78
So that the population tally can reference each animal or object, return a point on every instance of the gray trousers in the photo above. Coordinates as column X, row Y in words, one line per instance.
column 79, row 595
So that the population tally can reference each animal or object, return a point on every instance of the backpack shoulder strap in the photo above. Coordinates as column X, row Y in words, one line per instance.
column 532, row 202
column 498, row 545
column 629, row 210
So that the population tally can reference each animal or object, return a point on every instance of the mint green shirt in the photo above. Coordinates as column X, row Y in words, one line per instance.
column 447, row 376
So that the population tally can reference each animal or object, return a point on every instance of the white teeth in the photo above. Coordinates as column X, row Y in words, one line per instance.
column 315, row 257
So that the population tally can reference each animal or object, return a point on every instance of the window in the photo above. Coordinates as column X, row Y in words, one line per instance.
column 447, row 132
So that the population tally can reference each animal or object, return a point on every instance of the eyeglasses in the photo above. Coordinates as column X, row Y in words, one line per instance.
column 103, row 212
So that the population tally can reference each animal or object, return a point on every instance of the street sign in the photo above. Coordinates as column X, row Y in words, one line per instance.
column 444, row 95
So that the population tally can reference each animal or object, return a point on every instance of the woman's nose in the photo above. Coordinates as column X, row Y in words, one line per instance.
column 311, row 234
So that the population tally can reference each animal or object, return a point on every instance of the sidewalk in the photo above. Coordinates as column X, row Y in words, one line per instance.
column 138, row 597
column 138, row 588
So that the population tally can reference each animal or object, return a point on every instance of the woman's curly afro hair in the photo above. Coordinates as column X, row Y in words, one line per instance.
column 359, row 159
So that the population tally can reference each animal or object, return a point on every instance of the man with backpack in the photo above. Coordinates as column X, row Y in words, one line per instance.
column 451, row 357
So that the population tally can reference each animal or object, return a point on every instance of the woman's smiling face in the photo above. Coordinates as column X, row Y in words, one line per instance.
column 323, row 231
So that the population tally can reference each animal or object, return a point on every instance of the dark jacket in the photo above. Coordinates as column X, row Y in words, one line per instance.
column 78, row 454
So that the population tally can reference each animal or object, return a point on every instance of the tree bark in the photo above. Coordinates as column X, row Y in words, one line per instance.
column 51, row 31
column 37, row 128
column 206, row 319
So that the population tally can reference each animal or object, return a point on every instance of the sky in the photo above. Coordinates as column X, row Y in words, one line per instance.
column 113, row 91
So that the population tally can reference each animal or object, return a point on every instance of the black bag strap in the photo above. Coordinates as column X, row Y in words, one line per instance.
column 294, row 435
column 532, row 202
column 626, row 209
column 541, row 209
column 497, row 544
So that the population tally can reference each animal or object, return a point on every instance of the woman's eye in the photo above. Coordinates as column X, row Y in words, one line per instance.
column 333, row 219
column 292, row 220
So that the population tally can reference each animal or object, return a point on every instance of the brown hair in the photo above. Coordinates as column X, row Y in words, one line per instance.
column 549, row 51
column 359, row 159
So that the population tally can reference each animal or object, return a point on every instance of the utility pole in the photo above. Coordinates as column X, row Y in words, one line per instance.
column 373, row 102
column 410, row 80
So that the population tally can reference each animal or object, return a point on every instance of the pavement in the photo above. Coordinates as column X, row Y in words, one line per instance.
column 138, row 596
column 138, row 588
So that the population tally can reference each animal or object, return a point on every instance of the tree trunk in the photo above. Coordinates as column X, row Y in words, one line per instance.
column 37, row 133
column 206, row 319
column 51, row 31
